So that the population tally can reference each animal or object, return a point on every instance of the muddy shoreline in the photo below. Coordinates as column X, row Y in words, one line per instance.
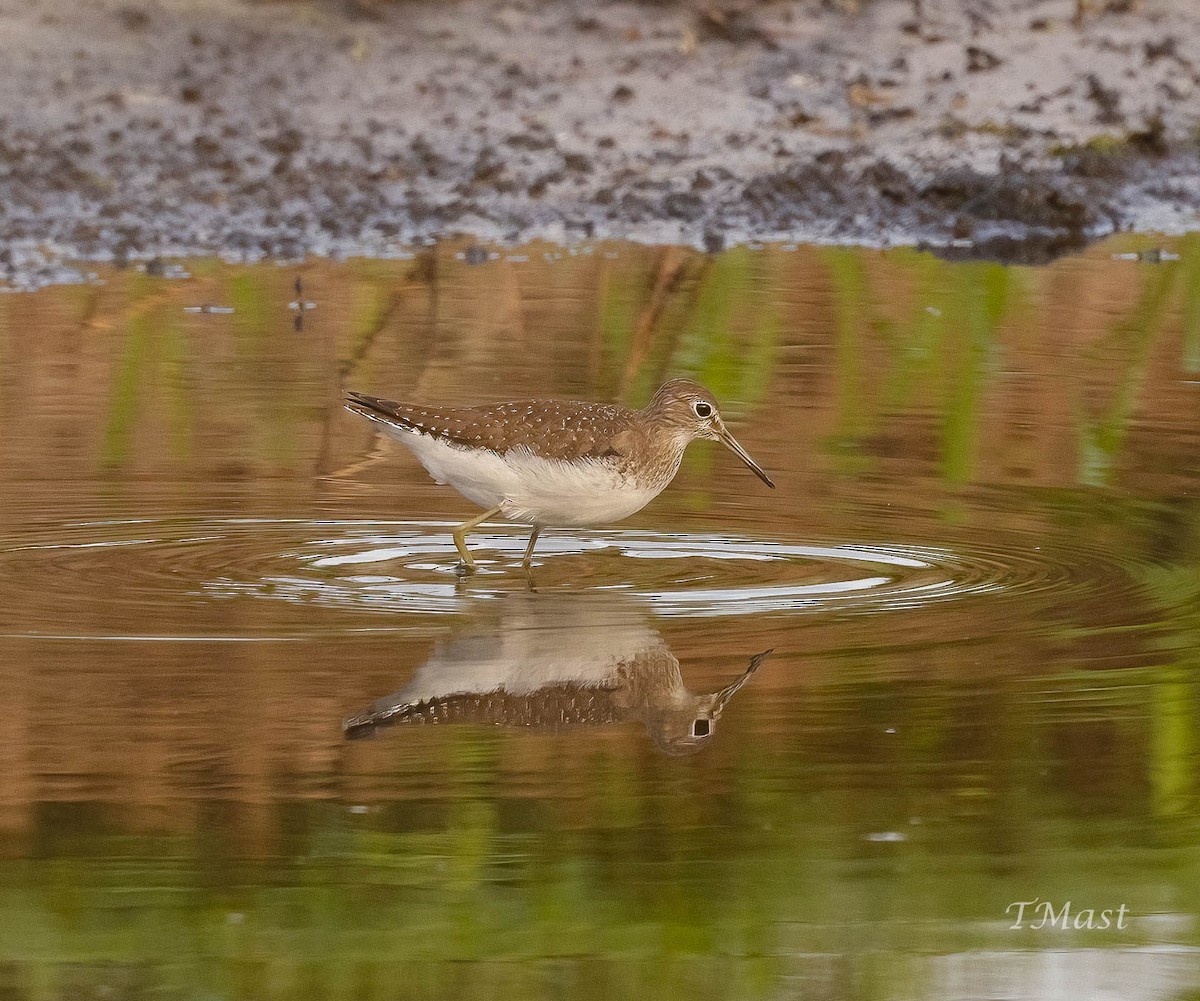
column 1008, row 129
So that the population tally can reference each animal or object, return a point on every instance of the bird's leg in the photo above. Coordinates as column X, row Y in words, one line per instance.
column 528, row 561
column 460, row 541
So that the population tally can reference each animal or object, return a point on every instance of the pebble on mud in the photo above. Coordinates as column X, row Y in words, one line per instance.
column 979, row 60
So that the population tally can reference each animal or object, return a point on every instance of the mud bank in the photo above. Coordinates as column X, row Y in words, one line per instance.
column 1011, row 129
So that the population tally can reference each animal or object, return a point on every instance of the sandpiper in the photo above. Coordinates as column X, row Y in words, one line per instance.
column 555, row 463
column 557, row 662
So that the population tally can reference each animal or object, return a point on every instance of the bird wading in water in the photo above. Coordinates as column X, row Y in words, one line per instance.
column 555, row 463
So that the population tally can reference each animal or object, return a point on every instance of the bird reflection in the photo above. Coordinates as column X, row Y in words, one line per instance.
column 557, row 662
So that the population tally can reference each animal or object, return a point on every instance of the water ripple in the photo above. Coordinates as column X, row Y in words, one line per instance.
column 166, row 577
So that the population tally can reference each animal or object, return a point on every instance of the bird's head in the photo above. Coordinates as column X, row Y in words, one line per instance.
column 692, row 410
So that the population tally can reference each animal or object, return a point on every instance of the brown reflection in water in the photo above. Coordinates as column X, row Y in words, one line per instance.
column 844, row 363
column 187, row 811
column 898, row 397
column 557, row 662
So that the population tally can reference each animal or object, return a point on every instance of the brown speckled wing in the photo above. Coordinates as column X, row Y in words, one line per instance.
column 552, row 707
column 553, row 429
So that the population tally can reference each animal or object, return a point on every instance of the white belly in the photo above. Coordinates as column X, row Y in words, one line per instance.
column 530, row 489
column 522, row 661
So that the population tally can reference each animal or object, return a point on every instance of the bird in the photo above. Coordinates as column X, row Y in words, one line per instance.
column 555, row 463
column 565, row 662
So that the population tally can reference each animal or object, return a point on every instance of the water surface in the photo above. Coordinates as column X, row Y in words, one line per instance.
column 978, row 583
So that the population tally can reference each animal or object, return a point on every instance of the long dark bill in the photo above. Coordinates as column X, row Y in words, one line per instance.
column 732, row 443
column 729, row 691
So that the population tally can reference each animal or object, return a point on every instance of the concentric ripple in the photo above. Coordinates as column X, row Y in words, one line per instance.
column 281, row 579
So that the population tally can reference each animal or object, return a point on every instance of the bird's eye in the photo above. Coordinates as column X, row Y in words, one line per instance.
column 701, row 727
column 702, row 409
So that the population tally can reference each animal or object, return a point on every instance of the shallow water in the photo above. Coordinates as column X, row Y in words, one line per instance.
column 809, row 742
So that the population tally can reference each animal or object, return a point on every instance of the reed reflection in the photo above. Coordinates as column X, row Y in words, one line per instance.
column 558, row 662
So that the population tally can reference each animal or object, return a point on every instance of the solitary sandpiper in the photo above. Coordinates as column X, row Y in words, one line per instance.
column 555, row 463
column 556, row 662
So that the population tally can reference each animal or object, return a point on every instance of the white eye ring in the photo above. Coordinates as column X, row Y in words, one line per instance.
column 702, row 409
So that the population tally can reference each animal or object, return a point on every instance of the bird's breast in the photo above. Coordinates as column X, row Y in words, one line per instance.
column 576, row 494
